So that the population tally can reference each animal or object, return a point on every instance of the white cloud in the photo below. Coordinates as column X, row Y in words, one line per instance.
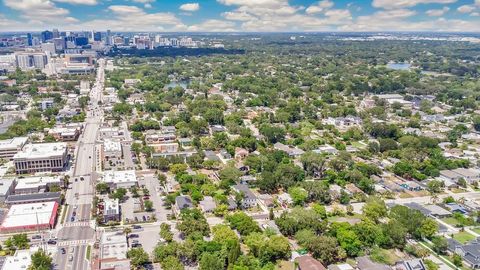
column 125, row 10
column 319, row 7
column 144, row 1
column 437, row 12
column 466, row 8
column 213, row 26
column 237, row 16
column 394, row 4
column 190, row 7
column 78, row 2
column 39, row 11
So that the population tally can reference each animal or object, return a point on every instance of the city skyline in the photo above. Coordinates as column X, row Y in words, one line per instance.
column 241, row 15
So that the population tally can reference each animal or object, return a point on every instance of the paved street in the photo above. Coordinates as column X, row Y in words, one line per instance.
column 76, row 233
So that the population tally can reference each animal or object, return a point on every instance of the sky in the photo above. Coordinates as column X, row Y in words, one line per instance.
column 241, row 15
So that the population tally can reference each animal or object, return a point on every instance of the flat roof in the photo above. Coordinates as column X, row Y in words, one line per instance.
column 32, row 214
column 41, row 150
column 113, row 245
column 19, row 198
column 112, row 146
column 36, row 181
column 5, row 185
column 20, row 260
column 120, row 176
column 14, row 143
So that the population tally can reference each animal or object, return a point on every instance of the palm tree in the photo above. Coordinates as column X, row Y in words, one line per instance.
column 127, row 231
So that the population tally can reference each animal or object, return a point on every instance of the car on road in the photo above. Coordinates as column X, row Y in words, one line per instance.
column 72, row 219
column 63, row 250
column 74, row 213
column 136, row 226
column 136, row 245
column 133, row 235
column 36, row 237
column 144, row 218
column 51, row 242
column 70, row 258
column 75, row 207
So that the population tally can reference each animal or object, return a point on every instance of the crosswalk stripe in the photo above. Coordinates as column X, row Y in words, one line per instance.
column 74, row 242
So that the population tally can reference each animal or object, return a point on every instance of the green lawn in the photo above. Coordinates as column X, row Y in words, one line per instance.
column 463, row 237
column 451, row 221
column 89, row 249
column 477, row 230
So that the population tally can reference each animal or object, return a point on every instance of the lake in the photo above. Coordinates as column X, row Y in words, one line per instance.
column 399, row 66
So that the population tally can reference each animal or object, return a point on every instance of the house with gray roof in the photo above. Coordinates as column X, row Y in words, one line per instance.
column 470, row 252
column 182, row 202
column 249, row 199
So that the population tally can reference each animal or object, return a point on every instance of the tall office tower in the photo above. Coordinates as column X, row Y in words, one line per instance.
column 55, row 33
column 81, row 41
column 108, row 38
column 59, row 43
column 97, row 36
column 46, row 35
column 29, row 39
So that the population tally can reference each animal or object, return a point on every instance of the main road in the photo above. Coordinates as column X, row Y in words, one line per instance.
column 76, row 233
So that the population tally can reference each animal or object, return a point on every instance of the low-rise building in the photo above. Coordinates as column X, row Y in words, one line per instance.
column 111, row 210
column 36, row 184
column 9, row 147
column 249, row 199
column 207, row 204
column 30, row 217
column 6, row 188
column 112, row 154
column 33, row 198
column 42, row 157
column 113, row 251
column 120, row 179
column 22, row 259
column 182, row 202
column 65, row 134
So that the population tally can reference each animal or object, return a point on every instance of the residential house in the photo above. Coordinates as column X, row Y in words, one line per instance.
column 208, row 204
column 249, row 199
column 413, row 264
column 308, row 263
column 182, row 202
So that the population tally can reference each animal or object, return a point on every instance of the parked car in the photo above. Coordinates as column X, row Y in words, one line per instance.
column 136, row 227
column 136, row 245
column 133, row 235
column 63, row 250
column 36, row 237
column 52, row 242
column 72, row 219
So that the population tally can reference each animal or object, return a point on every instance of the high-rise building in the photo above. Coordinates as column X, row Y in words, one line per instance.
column 59, row 43
column 46, row 35
column 29, row 39
column 81, row 41
column 97, row 36
column 55, row 33
column 26, row 60
column 108, row 38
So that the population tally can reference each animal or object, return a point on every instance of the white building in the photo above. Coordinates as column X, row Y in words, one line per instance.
column 36, row 184
column 113, row 251
column 6, row 188
column 42, row 157
column 20, row 260
column 112, row 154
column 9, row 147
column 120, row 179
column 29, row 217
column 111, row 210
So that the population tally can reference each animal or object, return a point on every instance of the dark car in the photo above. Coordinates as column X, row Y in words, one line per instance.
column 136, row 245
column 72, row 219
column 144, row 218
column 74, row 213
column 136, row 226
column 133, row 235
column 63, row 250
column 36, row 237
column 52, row 242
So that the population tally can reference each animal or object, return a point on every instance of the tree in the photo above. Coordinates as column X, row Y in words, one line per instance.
column 165, row 232
column 349, row 241
column 430, row 264
column 313, row 164
column 299, row 195
column 434, row 186
column 138, row 257
column 276, row 248
column 148, row 205
column 326, row 249
column 440, row 244
column 127, row 231
column 243, row 223
column 193, row 221
column 40, row 261
column 428, row 228
column 375, row 209
column 102, row 187
column 172, row 263
column 119, row 193
column 211, row 261
column 222, row 234
column 457, row 260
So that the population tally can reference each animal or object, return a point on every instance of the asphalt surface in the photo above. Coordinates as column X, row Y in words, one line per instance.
column 77, row 233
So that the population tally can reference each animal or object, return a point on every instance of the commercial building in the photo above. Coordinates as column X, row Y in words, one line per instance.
column 112, row 154
column 29, row 217
column 111, row 210
column 6, row 188
column 113, row 251
column 33, row 198
column 9, row 147
column 65, row 134
column 31, row 60
column 22, row 259
column 120, row 179
column 41, row 158
column 37, row 184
